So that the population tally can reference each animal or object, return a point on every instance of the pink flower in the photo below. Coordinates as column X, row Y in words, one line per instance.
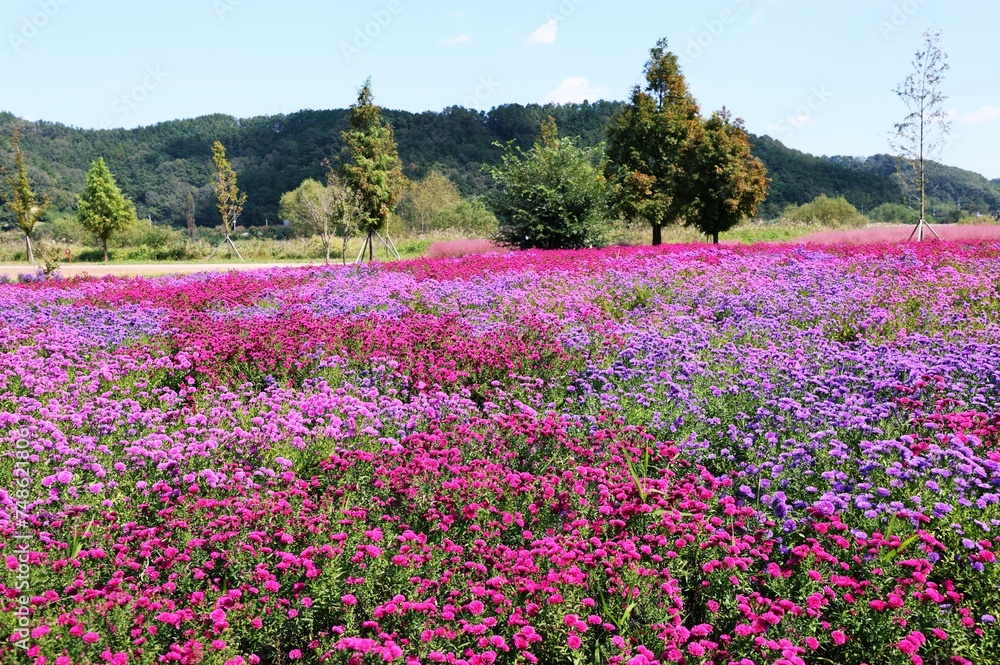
column 91, row 637
column 295, row 654
column 349, row 599
column 838, row 637
column 696, row 650
column 574, row 641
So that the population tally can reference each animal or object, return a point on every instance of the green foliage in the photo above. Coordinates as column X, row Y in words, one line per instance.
column 730, row 182
column 425, row 200
column 470, row 216
column 827, row 212
column 893, row 213
column 374, row 172
column 550, row 197
column 102, row 209
column 798, row 178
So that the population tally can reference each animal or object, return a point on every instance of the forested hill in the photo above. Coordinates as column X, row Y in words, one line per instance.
column 157, row 166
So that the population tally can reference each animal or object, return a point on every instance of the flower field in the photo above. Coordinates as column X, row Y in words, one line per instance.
column 728, row 455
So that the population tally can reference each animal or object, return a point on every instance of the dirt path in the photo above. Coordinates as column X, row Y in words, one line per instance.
column 148, row 269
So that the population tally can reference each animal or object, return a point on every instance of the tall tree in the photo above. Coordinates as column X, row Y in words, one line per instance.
column 649, row 141
column 21, row 200
column 920, row 137
column 231, row 199
column 373, row 171
column 102, row 209
column 730, row 182
column 550, row 197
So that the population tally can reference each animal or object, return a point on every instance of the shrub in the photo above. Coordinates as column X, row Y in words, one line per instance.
column 828, row 212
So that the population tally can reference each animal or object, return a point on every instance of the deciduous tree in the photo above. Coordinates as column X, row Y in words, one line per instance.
column 317, row 209
column 21, row 199
column 102, row 209
column 425, row 200
column 231, row 199
column 920, row 137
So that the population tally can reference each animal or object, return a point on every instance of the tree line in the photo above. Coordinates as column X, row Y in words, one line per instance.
column 161, row 167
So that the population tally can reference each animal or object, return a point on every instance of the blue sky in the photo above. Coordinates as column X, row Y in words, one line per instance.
column 816, row 75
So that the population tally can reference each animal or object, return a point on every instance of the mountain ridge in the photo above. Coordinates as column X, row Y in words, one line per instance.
column 158, row 165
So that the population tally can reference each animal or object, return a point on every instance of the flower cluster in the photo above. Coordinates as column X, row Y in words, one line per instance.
column 740, row 456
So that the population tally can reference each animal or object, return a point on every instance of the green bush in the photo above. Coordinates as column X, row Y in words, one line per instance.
column 469, row 216
column 894, row 213
column 826, row 212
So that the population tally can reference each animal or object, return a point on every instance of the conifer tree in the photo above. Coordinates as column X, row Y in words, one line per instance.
column 21, row 199
column 373, row 171
column 102, row 209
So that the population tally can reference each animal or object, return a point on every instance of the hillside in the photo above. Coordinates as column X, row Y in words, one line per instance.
column 158, row 165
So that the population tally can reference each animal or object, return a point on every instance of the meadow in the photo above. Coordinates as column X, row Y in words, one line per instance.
column 741, row 455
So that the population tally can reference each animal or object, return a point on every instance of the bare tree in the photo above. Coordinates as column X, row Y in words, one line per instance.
column 921, row 135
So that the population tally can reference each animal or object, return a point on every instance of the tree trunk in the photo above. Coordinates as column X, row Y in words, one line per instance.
column 27, row 245
column 104, row 241
column 715, row 237
column 371, row 247
column 657, row 235
column 326, row 246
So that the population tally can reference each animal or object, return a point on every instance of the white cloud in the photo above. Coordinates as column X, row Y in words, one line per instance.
column 980, row 116
column 545, row 34
column 574, row 90
column 461, row 39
